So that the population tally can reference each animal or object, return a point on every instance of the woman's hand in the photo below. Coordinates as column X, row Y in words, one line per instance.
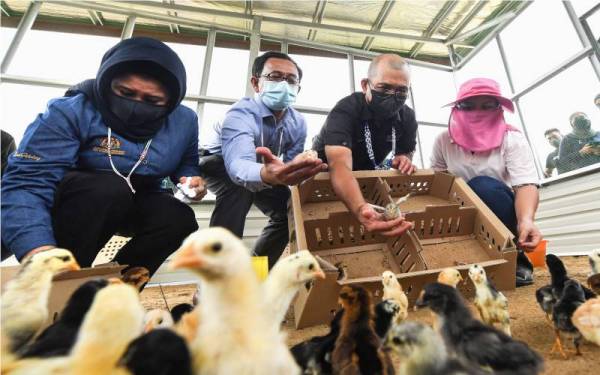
column 529, row 235
column 198, row 184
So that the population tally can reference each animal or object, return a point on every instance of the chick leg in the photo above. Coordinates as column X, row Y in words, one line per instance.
column 577, row 342
column 558, row 344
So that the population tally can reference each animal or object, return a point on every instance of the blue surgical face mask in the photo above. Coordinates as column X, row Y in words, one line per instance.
column 278, row 95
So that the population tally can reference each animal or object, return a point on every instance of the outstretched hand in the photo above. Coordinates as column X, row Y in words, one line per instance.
column 276, row 172
column 375, row 222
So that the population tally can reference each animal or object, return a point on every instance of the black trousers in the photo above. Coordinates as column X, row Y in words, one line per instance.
column 233, row 203
column 90, row 207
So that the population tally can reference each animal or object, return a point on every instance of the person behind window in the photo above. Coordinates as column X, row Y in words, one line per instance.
column 362, row 129
column 581, row 147
column 265, row 125
column 92, row 164
column 553, row 136
column 495, row 160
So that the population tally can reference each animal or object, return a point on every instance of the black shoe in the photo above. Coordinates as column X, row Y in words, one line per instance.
column 524, row 270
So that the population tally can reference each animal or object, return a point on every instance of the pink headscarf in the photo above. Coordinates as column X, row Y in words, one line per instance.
column 477, row 130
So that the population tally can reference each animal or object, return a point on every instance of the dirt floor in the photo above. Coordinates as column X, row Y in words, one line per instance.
column 528, row 322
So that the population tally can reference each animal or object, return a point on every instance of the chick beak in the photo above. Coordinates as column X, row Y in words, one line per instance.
column 114, row 281
column 186, row 258
column 74, row 266
column 319, row 274
column 148, row 327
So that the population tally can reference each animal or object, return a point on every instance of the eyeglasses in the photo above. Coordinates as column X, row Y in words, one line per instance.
column 401, row 91
column 291, row 79
column 470, row 106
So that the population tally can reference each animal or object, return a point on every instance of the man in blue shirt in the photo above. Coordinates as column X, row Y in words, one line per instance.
column 91, row 165
column 268, row 127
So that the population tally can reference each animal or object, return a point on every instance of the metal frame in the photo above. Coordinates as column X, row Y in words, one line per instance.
column 210, row 45
column 436, row 23
column 379, row 21
column 24, row 26
column 591, row 49
column 128, row 28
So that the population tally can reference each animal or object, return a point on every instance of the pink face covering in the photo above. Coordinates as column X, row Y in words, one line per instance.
column 477, row 130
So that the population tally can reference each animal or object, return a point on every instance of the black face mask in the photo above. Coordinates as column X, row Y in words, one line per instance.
column 141, row 119
column 582, row 124
column 385, row 106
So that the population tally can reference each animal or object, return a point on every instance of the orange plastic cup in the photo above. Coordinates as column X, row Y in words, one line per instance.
column 538, row 256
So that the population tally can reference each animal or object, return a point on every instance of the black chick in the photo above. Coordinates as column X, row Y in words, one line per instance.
column 158, row 352
column 573, row 296
column 314, row 354
column 545, row 298
column 357, row 348
column 474, row 342
column 178, row 311
column 559, row 277
column 58, row 338
column 385, row 312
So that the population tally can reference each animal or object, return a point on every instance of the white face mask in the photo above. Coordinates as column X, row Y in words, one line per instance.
column 278, row 95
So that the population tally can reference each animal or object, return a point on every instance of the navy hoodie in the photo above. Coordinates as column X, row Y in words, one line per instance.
column 72, row 135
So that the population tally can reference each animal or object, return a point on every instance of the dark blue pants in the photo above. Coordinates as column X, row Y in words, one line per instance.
column 501, row 200
column 498, row 197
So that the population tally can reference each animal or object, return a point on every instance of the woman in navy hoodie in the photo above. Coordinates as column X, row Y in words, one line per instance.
column 92, row 164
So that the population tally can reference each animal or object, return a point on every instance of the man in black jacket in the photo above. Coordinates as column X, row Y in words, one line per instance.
column 362, row 129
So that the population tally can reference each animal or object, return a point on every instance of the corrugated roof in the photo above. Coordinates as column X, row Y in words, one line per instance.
column 412, row 28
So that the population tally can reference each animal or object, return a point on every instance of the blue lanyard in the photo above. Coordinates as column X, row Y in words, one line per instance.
column 386, row 163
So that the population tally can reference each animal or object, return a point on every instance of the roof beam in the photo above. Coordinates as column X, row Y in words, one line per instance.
column 96, row 17
column 467, row 19
column 4, row 11
column 173, row 27
column 128, row 28
column 436, row 23
column 248, row 7
column 379, row 21
column 285, row 21
column 505, row 18
column 317, row 17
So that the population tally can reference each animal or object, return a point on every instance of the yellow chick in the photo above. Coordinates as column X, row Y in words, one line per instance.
column 114, row 319
column 492, row 304
column 239, row 339
column 587, row 320
column 286, row 277
column 25, row 299
column 393, row 290
column 450, row 276
column 157, row 318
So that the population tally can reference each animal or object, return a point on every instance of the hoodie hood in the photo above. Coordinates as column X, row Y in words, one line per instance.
column 140, row 55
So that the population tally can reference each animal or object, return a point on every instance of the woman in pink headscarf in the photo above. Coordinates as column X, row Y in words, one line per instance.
column 496, row 161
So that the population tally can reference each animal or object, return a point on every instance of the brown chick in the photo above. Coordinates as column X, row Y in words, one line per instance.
column 136, row 277
column 114, row 319
column 356, row 349
column 587, row 320
column 450, row 276
column 25, row 299
column 393, row 290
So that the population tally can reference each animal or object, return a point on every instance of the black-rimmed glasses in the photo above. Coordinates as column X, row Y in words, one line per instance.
column 401, row 91
column 291, row 79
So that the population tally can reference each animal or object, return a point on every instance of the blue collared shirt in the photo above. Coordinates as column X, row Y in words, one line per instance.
column 239, row 134
column 72, row 135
